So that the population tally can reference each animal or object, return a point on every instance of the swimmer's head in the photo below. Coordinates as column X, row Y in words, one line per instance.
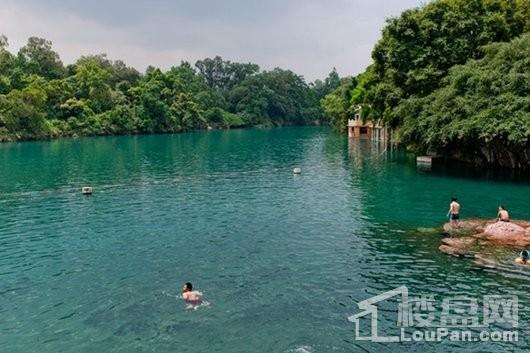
column 454, row 199
column 524, row 254
column 501, row 207
column 188, row 287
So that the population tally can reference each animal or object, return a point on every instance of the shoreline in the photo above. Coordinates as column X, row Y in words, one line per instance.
column 75, row 136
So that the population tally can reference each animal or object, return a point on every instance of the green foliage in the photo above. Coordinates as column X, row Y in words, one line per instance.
column 352, row 93
column 338, row 106
column 447, row 77
column 322, row 88
column 40, row 98
column 224, row 75
column 418, row 48
column 24, row 111
column 276, row 97
column 37, row 57
column 218, row 117
column 483, row 107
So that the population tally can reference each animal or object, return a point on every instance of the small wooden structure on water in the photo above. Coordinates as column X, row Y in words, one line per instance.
column 373, row 130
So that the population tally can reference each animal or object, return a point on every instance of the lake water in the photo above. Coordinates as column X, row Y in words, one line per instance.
column 282, row 259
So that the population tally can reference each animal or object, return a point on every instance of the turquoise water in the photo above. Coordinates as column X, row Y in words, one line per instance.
column 282, row 259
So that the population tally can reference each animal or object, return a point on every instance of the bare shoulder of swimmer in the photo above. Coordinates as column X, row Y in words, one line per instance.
column 196, row 295
column 519, row 260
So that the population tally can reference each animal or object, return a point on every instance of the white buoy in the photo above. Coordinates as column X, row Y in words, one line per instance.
column 86, row 190
column 424, row 160
column 297, row 171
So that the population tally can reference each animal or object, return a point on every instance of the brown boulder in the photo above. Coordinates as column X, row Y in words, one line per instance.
column 461, row 243
column 484, row 233
column 466, row 226
column 504, row 229
column 524, row 224
column 506, row 233
column 453, row 251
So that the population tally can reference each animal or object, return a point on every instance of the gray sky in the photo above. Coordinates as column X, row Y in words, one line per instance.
column 309, row 37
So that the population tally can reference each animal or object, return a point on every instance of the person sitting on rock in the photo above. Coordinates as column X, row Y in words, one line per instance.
column 503, row 215
column 524, row 258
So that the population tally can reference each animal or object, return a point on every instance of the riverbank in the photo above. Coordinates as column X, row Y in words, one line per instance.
column 6, row 137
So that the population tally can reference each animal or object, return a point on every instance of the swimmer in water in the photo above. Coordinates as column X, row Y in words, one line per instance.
column 192, row 297
column 524, row 258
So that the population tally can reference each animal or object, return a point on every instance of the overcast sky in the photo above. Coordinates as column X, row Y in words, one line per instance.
column 309, row 37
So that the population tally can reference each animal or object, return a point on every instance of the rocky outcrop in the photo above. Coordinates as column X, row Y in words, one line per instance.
column 507, row 233
column 459, row 246
column 475, row 232
column 468, row 226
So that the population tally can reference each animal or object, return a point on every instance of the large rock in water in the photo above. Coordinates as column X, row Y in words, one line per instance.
column 457, row 246
column 453, row 251
column 472, row 235
column 506, row 233
column 465, row 227
column 462, row 242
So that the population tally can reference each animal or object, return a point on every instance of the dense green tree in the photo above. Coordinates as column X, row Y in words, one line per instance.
column 222, row 74
column 481, row 112
column 338, row 106
column 37, row 57
column 330, row 83
column 40, row 98
column 420, row 83
column 24, row 111
column 420, row 46
column 275, row 97
column 7, row 62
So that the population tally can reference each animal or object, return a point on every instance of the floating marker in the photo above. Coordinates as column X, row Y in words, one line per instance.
column 86, row 190
column 424, row 160
column 297, row 171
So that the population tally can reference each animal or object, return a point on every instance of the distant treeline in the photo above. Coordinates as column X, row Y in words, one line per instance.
column 42, row 98
column 451, row 78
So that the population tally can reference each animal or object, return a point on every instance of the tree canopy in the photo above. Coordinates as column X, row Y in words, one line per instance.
column 420, row 85
column 40, row 97
column 481, row 111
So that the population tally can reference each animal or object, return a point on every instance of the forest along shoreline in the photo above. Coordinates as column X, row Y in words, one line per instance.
column 41, row 98
column 449, row 86
column 445, row 86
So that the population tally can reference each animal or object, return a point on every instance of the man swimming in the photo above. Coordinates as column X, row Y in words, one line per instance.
column 191, row 296
column 503, row 215
column 454, row 211
column 524, row 258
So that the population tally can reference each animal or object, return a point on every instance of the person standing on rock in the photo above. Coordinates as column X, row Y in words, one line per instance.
column 503, row 215
column 454, row 212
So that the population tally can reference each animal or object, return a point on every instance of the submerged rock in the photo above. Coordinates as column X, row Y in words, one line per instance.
column 459, row 246
column 450, row 250
column 428, row 230
column 487, row 261
column 460, row 242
